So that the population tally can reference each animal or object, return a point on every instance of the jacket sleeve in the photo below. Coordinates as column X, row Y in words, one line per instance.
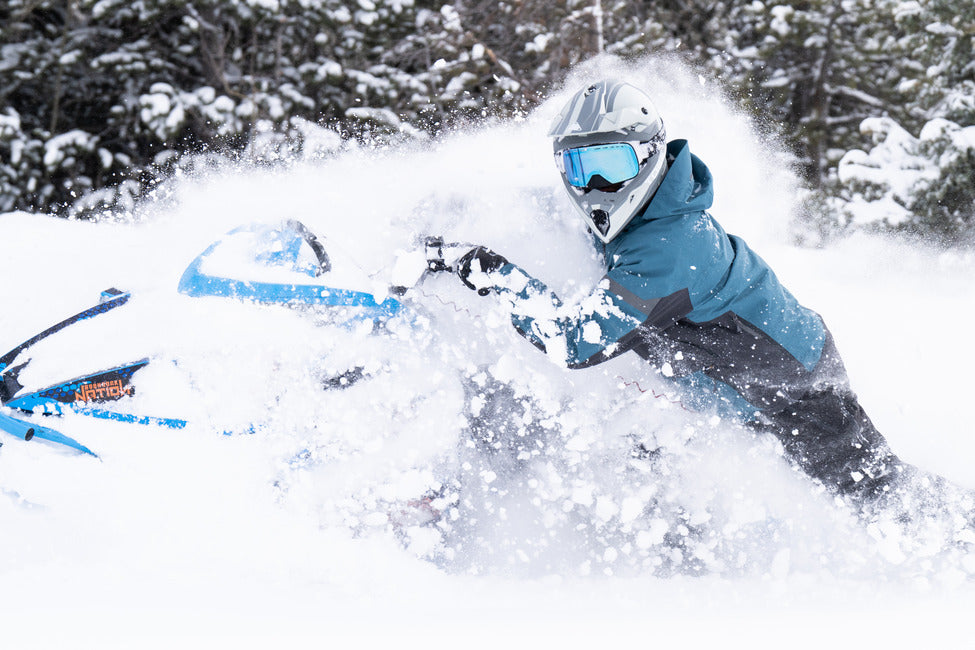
column 604, row 324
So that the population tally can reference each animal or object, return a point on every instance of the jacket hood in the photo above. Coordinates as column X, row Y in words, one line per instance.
column 686, row 188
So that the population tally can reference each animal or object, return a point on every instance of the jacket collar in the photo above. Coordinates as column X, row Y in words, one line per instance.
column 686, row 188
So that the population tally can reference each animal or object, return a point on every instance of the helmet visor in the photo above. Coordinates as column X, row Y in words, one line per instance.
column 614, row 163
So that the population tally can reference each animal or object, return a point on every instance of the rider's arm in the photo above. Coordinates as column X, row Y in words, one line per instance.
column 602, row 325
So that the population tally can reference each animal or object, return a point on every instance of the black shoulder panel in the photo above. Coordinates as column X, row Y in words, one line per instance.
column 662, row 313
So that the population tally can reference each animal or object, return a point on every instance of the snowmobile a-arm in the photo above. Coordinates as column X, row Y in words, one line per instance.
column 16, row 427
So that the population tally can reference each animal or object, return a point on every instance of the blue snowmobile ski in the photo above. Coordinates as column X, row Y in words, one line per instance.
column 76, row 394
column 79, row 393
column 101, row 386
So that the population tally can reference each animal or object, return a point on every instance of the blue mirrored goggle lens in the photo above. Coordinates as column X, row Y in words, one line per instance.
column 614, row 162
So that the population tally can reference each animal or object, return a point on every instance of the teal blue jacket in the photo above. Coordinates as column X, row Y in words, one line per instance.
column 696, row 302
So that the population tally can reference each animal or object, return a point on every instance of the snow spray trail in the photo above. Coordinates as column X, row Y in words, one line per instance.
column 536, row 470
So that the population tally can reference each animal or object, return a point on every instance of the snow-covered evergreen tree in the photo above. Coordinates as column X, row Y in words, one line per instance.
column 920, row 184
column 99, row 97
column 99, row 93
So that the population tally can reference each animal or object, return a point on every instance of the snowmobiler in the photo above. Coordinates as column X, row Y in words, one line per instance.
column 697, row 303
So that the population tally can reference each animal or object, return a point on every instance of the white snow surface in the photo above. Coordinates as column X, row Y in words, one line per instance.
column 297, row 529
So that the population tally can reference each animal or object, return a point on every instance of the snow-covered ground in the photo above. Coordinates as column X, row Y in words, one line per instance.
column 192, row 538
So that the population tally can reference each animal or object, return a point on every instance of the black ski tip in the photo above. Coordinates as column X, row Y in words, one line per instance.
column 111, row 294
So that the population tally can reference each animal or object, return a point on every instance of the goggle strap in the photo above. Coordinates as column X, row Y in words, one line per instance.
column 646, row 150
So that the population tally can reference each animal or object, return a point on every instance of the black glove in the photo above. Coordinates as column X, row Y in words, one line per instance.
column 487, row 261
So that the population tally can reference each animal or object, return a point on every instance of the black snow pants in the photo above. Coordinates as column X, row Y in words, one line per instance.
column 828, row 435
column 814, row 413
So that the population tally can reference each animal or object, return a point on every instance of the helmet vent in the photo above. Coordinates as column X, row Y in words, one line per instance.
column 600, row 219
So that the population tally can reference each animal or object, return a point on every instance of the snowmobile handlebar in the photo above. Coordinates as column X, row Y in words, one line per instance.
column 431, row 255
column 434, row 249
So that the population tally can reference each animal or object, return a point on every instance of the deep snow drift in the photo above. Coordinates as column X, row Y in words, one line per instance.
column 299, row 527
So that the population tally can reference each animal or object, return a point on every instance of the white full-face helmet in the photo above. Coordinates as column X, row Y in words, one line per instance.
column 611, row 148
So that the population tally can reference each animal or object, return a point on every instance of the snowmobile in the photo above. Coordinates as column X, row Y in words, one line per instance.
column 282, row 263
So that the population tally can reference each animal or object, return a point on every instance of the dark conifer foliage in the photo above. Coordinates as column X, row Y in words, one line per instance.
column 100, row 97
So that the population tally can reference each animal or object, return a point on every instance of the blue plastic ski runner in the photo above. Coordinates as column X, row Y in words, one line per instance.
column 29, row 431
column 16, row 427
column 131, row 418
column 287, row 241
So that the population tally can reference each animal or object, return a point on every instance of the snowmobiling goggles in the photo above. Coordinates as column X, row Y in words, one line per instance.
column 613, row 163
